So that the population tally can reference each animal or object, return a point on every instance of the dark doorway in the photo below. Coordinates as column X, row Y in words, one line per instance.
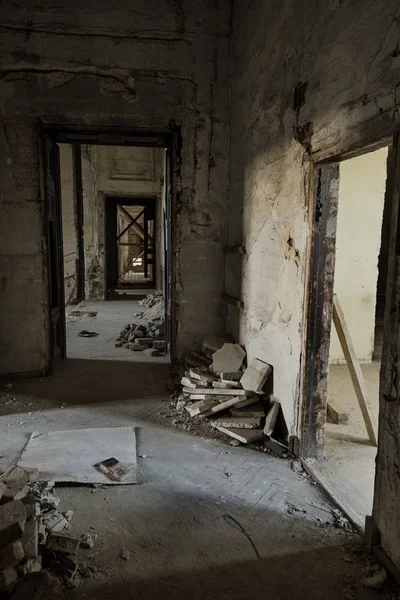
column 119, row 245
column 131, row 232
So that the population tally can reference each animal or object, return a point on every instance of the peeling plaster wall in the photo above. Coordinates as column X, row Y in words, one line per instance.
column 139, row 64
column 70, row 253
column 344, row 64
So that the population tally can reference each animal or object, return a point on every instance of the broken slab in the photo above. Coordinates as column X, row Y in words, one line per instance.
column 203, row 405
column 222, row 405
column 270, row 419
column 228, row 358
column 214, row 392
column 11, row 555
column 215, row 342
column 69, row 456
column 12, row 522
column 201, row 376
column 30, row 540
column 62, row 543
column 7, row 577
column 231, row 375
column 247, row 401
column 186, row 382
column 254, row 410
column 255, row 375
column 242, row 435
column 238, row 422
column 226, row 385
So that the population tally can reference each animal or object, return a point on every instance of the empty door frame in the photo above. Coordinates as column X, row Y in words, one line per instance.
column 111, row 259
column 168, row 138
column 319, row 299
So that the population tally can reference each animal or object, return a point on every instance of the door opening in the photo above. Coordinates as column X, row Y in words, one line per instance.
column 109, row 240
column 348, row 276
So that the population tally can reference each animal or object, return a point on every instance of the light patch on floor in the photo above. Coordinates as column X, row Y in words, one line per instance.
column 348, row 471
column 111, row 317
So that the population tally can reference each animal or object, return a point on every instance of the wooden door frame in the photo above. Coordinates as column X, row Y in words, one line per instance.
column 319, row 298
column 167, row 137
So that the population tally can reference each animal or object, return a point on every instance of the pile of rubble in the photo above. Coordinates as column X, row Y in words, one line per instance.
column 30, row 532
column 149, row 339
column 218, row 386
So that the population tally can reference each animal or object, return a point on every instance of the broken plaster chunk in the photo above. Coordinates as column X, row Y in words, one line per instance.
column 7, row 576
column 254, row 410
column 125, row 554
column 11, row 555
column 242, row 435
column 255, row 375
column 12, row 522
column 203, row 405
column 30, row 540
column 62, row 543
column 376, row 581
column 186, row 382
column 54, row 522
column 228, row 358
column 86, row 541
column 271, row 417
column 238, row 422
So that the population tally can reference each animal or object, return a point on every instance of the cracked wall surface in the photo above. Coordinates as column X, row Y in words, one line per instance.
column 138, row 65
column 324, row 90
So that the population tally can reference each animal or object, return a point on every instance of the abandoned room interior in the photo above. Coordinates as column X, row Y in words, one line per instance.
column 200, row 240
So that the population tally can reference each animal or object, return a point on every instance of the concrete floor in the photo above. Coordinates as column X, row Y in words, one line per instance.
column 111, row 317
column 177, row 524
column 348, row 471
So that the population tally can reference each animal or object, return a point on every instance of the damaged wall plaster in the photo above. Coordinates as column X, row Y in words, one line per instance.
column 175, row 62
column 324, row 90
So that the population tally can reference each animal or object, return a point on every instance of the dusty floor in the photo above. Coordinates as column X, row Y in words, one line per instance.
column 349, row 469
column 111, row 317
column 177, row 524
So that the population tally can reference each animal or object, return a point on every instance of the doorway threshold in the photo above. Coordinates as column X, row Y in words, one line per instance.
column 353, row 495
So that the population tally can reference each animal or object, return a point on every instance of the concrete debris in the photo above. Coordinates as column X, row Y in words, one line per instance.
column 125, row 554
column 255, row 375
column 114, row 469
column 212, row 384
column 296, row 466
column 215, row 342
column 228, row 358
column 238, row 422
column 138, row 337
column 12, row 522
column 30, row 538
column 242, row 435
column 87, row 541
column 270, row 419
column 62, row 543
column 376, row 581
column 340, row 520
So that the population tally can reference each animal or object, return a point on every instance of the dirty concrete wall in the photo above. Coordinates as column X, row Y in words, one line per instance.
column 358, row 240
column 344, row 65
column 113, row 171
column 70, row 253
column 142, row 65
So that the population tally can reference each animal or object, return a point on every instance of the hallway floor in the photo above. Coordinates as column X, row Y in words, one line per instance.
column 207, row 520
column 110, row 319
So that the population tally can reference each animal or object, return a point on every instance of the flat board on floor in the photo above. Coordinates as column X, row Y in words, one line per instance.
column 69, row 456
